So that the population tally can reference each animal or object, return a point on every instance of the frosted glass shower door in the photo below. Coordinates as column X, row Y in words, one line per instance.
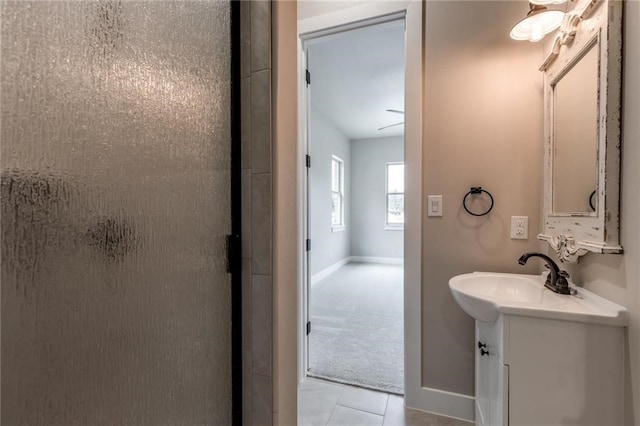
column 116, row 186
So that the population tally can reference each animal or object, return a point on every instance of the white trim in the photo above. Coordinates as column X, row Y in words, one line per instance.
column 303, row 207
column 384, row 22
column 351, row 18
column 390, row 226
column 448, row 404
column 360, row 259
column 329, row 270
column 413, row 209
column 341, row 173
column 372, row 259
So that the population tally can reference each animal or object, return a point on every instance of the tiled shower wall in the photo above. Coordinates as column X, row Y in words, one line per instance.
column 257, row 302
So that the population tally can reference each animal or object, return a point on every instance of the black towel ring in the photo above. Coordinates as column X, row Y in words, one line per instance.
column 475, row 190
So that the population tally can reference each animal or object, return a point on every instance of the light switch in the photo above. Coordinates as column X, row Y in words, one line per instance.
column 434, row 205
column 519, row 227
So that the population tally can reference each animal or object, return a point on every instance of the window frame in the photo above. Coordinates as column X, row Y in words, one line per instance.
column 391, row 226
column 341, row 174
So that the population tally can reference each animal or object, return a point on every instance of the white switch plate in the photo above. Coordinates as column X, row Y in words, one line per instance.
column 519, row 227
column 434, row 205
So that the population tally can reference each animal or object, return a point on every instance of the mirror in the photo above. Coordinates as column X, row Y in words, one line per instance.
column 575, row 137
column 582, row 75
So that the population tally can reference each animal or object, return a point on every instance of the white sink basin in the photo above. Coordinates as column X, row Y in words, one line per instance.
column 484, row 295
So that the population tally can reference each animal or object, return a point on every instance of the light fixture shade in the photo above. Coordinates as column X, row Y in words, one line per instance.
column 545, row 2
column 539, row 22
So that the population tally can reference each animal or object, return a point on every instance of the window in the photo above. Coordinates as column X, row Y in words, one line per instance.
column 395, row 196
column 337, row 194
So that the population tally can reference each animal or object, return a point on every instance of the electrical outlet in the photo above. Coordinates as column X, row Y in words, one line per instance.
column 519, row 227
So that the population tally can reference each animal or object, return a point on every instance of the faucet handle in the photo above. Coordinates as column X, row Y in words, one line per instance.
column 563, row 283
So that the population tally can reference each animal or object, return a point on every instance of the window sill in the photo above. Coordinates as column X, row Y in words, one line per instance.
column 338, row 228
column 394, row 227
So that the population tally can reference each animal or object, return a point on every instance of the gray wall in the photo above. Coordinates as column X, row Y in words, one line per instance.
column 483, row 127
column 326, row 140
column 368, row 200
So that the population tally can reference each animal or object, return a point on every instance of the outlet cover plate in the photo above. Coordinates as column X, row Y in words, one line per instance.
column 519, row 227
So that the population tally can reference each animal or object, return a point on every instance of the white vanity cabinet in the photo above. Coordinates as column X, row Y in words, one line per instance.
column 549, row 372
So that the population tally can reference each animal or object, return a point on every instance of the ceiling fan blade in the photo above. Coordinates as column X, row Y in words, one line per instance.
column 397, row 111
column 391, row 125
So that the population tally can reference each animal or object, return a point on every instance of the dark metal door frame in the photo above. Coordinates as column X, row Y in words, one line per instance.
column 235, row 258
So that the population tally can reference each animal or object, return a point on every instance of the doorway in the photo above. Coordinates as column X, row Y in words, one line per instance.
column 355, row 211
column 332, row 23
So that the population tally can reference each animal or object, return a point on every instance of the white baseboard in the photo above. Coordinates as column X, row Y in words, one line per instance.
column 330, row 270
column 443, row 403
column 362, row 259
column 370, row 259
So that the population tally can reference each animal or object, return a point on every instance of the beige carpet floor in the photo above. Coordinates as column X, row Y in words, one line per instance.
column 357, row 327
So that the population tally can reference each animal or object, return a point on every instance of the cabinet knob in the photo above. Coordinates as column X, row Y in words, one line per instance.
column 482, row 347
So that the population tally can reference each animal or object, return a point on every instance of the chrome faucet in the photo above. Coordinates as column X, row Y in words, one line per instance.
column 557, row 279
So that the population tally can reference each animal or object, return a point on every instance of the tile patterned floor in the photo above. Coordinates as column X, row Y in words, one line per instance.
column 322, row 403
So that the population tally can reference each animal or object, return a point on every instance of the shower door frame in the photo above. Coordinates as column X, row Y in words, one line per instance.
column 235, row 241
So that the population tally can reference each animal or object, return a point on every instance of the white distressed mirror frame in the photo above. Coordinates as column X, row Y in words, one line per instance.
column 573, row 235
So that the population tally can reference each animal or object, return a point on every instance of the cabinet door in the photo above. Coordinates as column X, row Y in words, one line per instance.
column 492, row 379
column 483, row 387
column 498, row 390
column 564, row 372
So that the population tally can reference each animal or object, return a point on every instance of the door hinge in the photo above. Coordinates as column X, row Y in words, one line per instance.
column 308, row 77
column 308, row 244
column 234, row 253
column 308, row 327
column 308, row 161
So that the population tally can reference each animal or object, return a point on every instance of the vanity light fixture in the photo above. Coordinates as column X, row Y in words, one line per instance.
column 539, row 22
column 546, row 2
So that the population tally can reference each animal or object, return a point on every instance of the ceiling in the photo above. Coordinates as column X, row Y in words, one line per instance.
column 356, row 76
